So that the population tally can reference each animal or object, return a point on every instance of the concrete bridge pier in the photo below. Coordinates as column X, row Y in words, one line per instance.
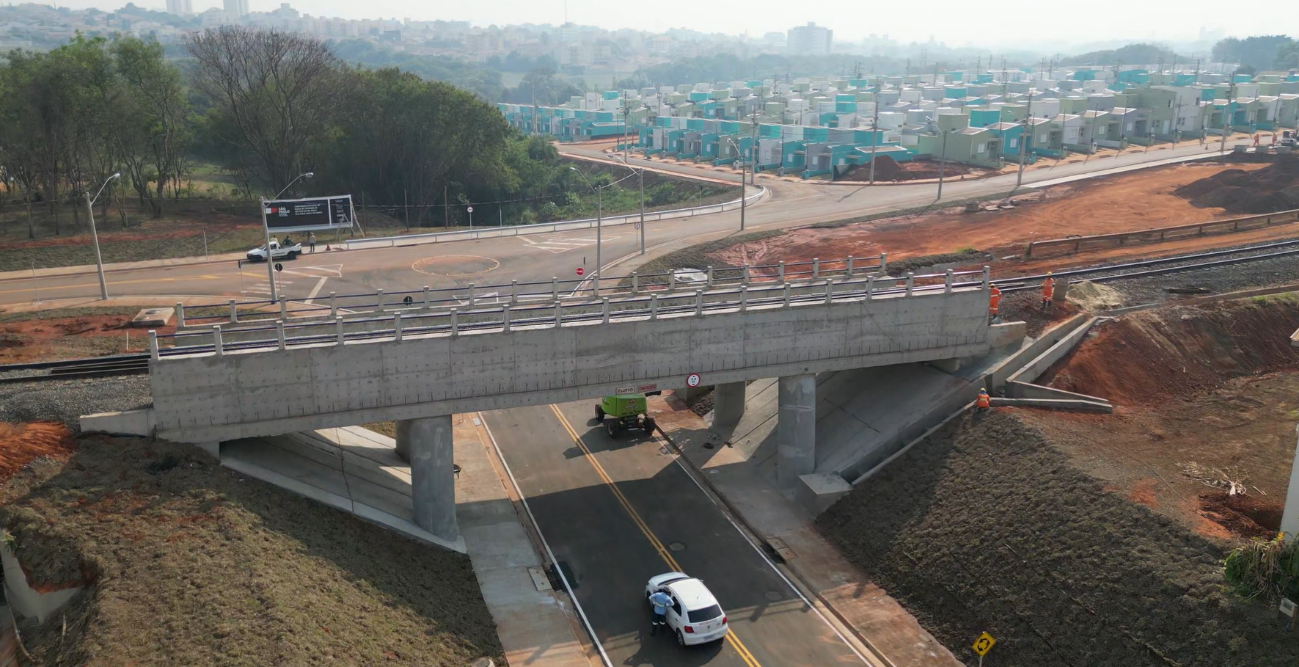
column 728, row 403
column 427, row 444
column 795, row 429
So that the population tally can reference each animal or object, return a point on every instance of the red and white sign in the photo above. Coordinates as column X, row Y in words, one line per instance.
column 692, row 380
column 647, row 387
column 580, row 270
column 635, row 225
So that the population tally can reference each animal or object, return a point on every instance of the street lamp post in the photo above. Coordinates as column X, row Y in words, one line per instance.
column 640, row 175
column 266, row 232
column 742, row 191
column 599, row 217
column 94, row 235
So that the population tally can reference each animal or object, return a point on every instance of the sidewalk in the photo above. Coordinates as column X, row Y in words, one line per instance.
column 877, row 619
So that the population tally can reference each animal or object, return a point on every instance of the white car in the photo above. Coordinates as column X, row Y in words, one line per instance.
column 278, row 251
column 694, row 615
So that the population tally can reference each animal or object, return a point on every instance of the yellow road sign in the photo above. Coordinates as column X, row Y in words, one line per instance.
column 984, row 644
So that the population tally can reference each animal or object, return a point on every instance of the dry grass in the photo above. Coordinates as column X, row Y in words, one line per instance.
column 188, row 563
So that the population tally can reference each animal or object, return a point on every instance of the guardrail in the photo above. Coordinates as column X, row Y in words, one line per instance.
column 1164, row 233
column 545, row 292
column 546, row 227
column 502, row 318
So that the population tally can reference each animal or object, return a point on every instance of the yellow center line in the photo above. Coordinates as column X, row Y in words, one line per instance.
column 731, row 639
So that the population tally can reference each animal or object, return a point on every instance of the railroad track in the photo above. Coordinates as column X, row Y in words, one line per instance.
column 75, row 369
column 1161, row 266
column 138, row 364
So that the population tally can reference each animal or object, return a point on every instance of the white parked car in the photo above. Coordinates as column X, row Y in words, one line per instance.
column 694, row 616
column 278, row 251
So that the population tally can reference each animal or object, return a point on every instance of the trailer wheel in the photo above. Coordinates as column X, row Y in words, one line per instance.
column 599, row 412
column 611, row 427
column 648, row 424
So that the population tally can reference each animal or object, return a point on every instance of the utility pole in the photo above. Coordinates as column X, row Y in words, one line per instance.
column 1226, row 116
column 942, row 162
column 875, row 126
column 446, row 208
column 1024, row 138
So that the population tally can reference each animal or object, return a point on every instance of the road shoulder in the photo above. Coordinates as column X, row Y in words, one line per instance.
column 787, row 532
column 536, row 627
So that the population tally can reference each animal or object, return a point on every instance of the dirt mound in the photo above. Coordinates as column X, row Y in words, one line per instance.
column 887, row 169
column 1244, row 515
column 1094, row 296
column 1149, row 357
column 1272, row 188
column 985, row 526
column 188, row 560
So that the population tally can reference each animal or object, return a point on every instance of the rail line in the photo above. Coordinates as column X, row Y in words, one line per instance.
column 137, row 364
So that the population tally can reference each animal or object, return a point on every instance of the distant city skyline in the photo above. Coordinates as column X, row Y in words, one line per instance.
column 1021, row 23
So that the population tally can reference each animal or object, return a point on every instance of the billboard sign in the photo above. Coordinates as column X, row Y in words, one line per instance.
column 298, row 215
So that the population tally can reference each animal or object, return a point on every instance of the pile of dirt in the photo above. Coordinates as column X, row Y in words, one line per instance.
column 1146, row 358
column 1272, row 188
column 985, row 526
column 190, row 563
column 889, row 170
column 1094, row 296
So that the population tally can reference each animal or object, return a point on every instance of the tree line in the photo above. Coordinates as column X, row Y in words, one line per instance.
column 265, row 106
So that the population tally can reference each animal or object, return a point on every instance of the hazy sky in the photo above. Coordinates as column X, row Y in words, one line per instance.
column 956, row 22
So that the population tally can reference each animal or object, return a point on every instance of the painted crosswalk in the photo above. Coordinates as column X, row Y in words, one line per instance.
column 315, row 276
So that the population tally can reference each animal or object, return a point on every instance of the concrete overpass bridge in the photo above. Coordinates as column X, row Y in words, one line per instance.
column 418, row 360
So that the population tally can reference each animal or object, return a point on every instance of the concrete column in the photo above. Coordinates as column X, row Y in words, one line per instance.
column 432, row 478
column 796, row 429
column 728, row 403
column 213, row 448
column 1290, row 516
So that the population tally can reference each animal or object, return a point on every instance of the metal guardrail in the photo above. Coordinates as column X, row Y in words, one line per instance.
column 529, row 292
column 542, row 228
column 395, row 326
column 1162, row 233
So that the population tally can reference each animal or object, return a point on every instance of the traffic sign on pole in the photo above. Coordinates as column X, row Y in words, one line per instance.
column 470, row 209
column 580, row 271
column 692, row 380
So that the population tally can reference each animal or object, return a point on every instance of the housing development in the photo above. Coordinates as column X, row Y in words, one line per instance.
column 824, row 127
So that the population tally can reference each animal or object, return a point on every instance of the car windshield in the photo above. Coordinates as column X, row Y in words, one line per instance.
column 705, row 614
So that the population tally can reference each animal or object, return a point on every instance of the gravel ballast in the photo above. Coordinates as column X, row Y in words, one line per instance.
column 64, row 401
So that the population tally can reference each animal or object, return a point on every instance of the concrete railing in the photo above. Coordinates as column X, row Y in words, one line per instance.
column 503, row 318
column 530, row 293
column 547, row 227
column 1228, row 225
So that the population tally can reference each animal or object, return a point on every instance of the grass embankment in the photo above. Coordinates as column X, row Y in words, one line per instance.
column 985, row 526
column 189, row 563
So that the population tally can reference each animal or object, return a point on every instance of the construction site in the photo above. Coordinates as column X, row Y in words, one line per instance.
column 1146, row 433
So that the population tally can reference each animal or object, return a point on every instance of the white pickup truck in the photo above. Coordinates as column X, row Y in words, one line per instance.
column 278, row 251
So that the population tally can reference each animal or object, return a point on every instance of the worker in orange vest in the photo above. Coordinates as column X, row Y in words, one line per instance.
column 1048, row 291
column 983, row 402
column 994, row 302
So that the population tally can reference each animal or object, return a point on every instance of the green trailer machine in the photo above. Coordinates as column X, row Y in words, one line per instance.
column 624, row 411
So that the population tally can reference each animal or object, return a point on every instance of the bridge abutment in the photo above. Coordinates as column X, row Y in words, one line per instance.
column 728, row 403
column 796, row 429
column 428, row 445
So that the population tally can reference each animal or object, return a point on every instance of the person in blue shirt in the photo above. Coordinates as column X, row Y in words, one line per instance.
column 660, row 601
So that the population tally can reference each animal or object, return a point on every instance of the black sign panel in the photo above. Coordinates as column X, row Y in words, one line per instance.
column 294, row 215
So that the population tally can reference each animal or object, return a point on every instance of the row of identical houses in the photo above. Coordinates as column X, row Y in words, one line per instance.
column 823, row 127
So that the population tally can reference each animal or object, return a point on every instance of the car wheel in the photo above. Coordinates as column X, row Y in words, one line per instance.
column 681, row 639
column 599, row 413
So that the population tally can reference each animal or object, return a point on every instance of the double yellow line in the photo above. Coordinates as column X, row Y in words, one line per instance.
column 644, row 528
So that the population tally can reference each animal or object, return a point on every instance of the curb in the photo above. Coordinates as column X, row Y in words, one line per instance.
column 793, row 569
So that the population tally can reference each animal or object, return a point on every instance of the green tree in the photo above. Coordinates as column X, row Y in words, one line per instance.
column 1261, row 52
